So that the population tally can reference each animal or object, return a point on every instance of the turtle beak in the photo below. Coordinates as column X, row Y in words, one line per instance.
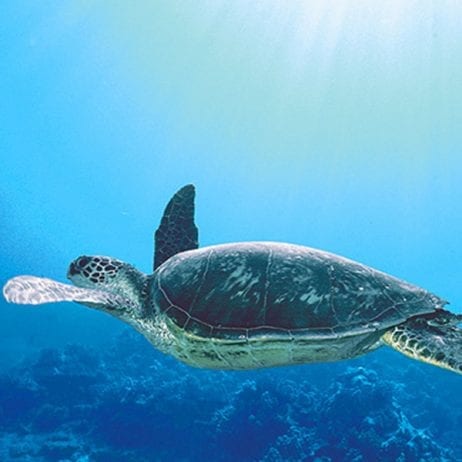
column 72, row 271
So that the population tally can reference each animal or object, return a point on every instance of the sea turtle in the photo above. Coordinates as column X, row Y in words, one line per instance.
column 254, row 304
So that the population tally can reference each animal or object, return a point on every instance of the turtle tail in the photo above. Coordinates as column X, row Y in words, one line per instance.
column 435, row 338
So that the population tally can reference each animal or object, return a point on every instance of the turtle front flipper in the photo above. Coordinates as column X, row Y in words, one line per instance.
column 177, row 231
column 432, row 339
column 32, row 290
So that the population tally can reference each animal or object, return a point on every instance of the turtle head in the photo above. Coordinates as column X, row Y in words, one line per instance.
column 125, row 286
column 95, row 271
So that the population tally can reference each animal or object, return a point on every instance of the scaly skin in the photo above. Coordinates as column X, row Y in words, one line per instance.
column 427, row 341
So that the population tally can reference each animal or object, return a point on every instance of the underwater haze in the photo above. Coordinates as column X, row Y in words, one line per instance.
column 331, row 124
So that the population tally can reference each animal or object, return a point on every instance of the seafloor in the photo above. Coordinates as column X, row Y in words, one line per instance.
column 130, row 403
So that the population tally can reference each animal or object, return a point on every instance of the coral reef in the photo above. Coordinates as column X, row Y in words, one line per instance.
column 129, row 402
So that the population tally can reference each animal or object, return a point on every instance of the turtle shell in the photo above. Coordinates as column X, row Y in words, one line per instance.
column 236, row 291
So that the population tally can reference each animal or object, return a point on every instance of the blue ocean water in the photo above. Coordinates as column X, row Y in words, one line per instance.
column 332, row 124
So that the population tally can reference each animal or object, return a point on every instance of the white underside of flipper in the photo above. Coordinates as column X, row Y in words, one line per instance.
column 32, row 290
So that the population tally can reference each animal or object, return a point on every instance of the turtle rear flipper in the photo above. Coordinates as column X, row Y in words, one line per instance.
column 427, row 341
column 32, row 290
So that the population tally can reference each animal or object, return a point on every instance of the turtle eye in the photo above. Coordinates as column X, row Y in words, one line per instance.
column 80, row 267
column 82, row 262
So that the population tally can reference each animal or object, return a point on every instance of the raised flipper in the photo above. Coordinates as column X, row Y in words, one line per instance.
column 177, row 231
column 428, row 340
column 32, row 290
